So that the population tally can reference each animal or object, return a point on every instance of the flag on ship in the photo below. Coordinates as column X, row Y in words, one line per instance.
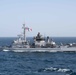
column 29, row 29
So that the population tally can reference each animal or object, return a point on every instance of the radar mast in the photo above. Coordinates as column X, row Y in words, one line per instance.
column 24, row 32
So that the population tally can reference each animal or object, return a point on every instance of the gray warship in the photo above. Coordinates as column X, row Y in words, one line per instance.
column 40, row 44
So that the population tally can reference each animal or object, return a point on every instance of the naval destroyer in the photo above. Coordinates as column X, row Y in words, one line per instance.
column 40, row 44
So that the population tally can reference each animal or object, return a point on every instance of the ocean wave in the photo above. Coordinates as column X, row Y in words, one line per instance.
column 53, row 69
column 5, row 50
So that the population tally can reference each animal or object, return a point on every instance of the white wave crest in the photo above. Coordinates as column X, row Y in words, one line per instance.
column 57, row 69
column 5, row 50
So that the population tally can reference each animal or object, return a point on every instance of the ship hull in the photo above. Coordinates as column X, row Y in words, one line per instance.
column 70, row 49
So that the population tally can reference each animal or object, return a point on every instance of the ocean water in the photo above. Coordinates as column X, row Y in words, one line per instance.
column 38, row 63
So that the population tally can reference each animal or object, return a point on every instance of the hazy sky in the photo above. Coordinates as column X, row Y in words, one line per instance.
column 50, row 17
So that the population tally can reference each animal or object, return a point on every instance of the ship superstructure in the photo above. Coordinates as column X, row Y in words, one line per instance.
column 39, row 40
column 21, row 42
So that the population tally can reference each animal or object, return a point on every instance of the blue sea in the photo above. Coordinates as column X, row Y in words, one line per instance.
column 37, row 63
